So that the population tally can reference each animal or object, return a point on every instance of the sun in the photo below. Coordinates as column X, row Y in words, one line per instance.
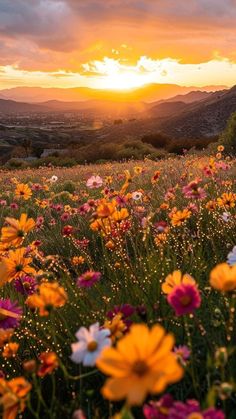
column 123, row 81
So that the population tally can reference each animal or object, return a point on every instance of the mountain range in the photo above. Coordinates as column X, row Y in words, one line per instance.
column 188, row 114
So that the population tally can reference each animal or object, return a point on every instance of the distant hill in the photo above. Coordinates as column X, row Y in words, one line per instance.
column 147, row 93
column 11, row 106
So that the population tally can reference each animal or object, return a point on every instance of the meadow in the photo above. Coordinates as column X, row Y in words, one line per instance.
column 118, row 290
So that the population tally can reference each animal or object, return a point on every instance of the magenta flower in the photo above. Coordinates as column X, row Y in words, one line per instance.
column 181, row 410
column 88, row 279
column 184, row 299
column 10, row 314
column 125, row 310
column 159, row 409
column 25, row 285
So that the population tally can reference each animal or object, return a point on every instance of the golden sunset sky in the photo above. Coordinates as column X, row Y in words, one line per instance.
column 117, row 44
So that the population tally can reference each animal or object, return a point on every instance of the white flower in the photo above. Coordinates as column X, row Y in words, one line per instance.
column 94, row 182
column 53, row 179
column 225, row 216
column 231, row 258
column 90, row 344
column 137, row 196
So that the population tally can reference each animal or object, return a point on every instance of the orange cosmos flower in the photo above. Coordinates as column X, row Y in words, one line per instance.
column 227, row 200
column 105, row 209
column 178, row 217
column 23, row 191
column 50, row 295
column 120, row 215
column 49, row 362
column 142, row 363
column 174, row 279
column 15, row 265
column 10, row 349
column 223, row 277
column 13, row 396
column 17, row 230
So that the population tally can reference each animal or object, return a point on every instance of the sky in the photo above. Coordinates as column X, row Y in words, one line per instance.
column 117, row 44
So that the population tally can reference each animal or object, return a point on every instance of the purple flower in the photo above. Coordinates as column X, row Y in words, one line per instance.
column 88, row 279
column 25, row 285
column 10, row 314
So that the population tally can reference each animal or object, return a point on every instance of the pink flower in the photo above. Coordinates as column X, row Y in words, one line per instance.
column 192, row 190
column 88, row 279
column 183, row 353
column 94, row 182
column 65, row 216
column 184, row 299
column 14, row 206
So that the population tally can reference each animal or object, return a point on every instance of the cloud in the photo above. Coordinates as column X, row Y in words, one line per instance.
column 54, row 35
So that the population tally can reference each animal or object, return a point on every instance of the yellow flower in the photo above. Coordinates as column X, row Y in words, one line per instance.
column 223, row 277
column 220, row 148
column 116, row 326
column 178, row 217
column 23, row 191
column 10, row 349
column 142, row 363
column 174, row 279
column 227, row 200
column 138, row 170
column 120, row 215
column 17, row 230
column 15, row 265
column 50, row 295
column 13, row 396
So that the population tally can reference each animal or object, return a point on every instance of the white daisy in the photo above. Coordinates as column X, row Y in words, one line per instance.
column 231, row 258
column 90, row 344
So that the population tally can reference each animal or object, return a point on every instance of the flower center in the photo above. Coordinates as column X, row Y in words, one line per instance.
column 19, row 267
column 140, row 368
column 92, row 346
column 185, row 300
column 195, row 415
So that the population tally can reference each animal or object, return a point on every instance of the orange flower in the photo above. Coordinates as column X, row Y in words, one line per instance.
column 105, row 209
column 178, row 217
column 16, row 232
column 120, row 215
column 15, row 265
column 174, row 279
column 23, row 191
column 5, row 336
column 77, row 260
column 49, row 362
column 50, row 295
column 211, row 205
column 223, row 277
column 142, row 363
column 227, row 200
column 13, row 396
column 10, row 349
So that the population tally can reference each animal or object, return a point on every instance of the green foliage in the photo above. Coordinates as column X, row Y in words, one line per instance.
column 228, row 137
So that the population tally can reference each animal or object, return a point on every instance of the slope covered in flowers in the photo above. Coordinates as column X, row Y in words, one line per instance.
column 118, row 290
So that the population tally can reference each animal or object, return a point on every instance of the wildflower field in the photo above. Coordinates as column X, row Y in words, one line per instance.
column 118, row 290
